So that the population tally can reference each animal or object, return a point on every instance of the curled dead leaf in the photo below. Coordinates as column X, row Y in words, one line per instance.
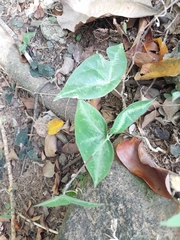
column 133, row 155
column 82, row 11
column 39, row 13
column 164, row 68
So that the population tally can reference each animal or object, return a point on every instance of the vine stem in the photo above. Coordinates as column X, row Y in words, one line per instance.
column 84, row 165
column 10, row 177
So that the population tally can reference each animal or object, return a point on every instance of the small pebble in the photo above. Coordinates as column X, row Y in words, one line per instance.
column 62, row 137
column 50, row 45
column 65, row 178
column 62, row 159
column 175, row 150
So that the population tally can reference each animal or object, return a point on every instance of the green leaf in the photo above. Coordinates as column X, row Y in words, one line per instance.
column 21, row 137
column 22, row 47
column 129, row 116
column 27, row 37
column 78, row 37
column 96, row 76
column 91, row 138
column 174, row 221
column 45, row 70
column 167, row 95
column 64, row 200
column 175, row 95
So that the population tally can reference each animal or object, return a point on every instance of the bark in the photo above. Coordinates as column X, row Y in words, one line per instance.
column 11, row 62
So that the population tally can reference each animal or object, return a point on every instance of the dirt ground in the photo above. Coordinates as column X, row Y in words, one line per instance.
column 33, row 181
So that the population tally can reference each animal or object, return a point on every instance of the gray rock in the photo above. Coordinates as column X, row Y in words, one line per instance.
column 52, row 31
column 128, row 199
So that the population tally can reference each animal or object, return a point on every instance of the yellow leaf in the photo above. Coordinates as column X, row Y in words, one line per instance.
column 164, row 68
column 54, row 126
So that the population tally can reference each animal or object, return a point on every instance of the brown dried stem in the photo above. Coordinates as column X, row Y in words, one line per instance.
column 10, row 177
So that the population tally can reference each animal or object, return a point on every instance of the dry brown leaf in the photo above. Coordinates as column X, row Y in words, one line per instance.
column 48, row 169
column 134, row 156
column 43, row 222
column 38, row 236
column 30, row 209
column 96, row 102
column 12, row 155
column 171, row 107
column 77, row 53
column 67, row 66
column 70, row 148
column 55, row 187
column 28, row 102
column 50, row 145
column 36, row 218
column 39, row 13
column 4, row 219
column 76, row 13
column 57, row 178
column 87, row 53
column 150, row 117
column 164, row 68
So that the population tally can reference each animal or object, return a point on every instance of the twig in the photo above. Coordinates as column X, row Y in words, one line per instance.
column 10, row 177
column 77, row 159
column 37, row 224
column 75, row 175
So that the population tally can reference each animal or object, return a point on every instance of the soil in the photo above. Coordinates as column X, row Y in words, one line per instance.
column 32, row 182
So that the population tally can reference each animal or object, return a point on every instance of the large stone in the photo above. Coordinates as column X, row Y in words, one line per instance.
column 126, row 198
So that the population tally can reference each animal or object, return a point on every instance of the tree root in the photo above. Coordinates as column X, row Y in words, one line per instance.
column 10, row 61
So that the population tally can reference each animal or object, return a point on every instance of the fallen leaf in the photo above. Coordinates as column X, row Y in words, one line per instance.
column 70, row 148
column 67, row 67
column 28, row 102
column 150, row 117
column 134, row 156
column 54, row 126
column 36, row 218
column 162, row 48
column 170, row 108
column 12, row 155
column 41, row 126
column 57, row 178
column 48, row 169
column 76, row 13
column 2, row 219
column 167, row 67
column 96, row 102
column 30, row 209
column 87, row 53
column 77, row 54
column 43, row 222
column 39, row 13
column 55, row 187
column 50, row 146
column 38, row 236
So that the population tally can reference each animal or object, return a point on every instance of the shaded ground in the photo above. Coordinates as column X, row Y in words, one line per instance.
column 31, row 185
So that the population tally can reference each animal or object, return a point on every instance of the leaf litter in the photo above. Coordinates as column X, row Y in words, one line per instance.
column 150, row 51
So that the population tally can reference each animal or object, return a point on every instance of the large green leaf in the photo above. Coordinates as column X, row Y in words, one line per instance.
column 64, row 200
column 174, row 221
column 96, row 76
column 91, row 138
column 129, row 115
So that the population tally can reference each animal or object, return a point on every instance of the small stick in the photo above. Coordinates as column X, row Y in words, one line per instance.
column 37, row 224
column 10, row 177
column 77, row 159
